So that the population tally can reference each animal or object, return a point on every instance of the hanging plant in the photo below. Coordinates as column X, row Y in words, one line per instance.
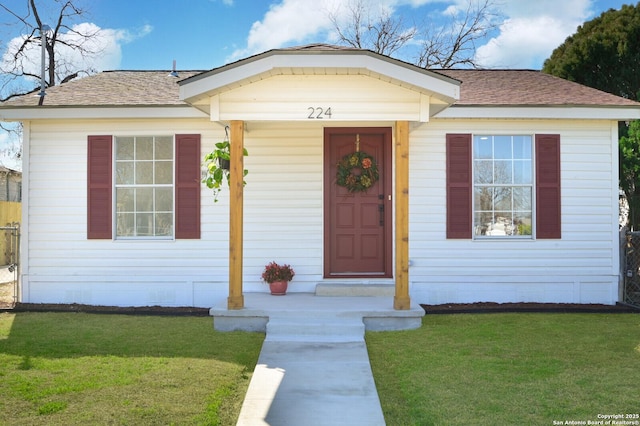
column 217, row 167
column 357, row 172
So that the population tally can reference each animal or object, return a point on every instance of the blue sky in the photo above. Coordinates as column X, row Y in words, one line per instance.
column 205, row 34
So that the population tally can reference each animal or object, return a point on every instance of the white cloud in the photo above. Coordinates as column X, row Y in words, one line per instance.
column 9, row 148
column 286, row 22
column 532, row 29
column 531, row 32
column 301, row 21
column 523, row 43
column 104, row 43
column 527, row 36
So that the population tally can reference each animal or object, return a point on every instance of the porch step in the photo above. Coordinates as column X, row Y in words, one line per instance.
column 313, row 328
column 376, row 313
column 355, row 289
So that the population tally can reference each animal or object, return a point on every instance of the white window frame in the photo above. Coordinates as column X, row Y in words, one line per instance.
column 116, row 186
column 475, row 185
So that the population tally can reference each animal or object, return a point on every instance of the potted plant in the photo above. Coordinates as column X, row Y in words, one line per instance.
column 217, row 167
column 278, row 277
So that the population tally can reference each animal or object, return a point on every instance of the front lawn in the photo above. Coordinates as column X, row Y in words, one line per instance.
column 493, row 369
column 81, row 369
column 504, row 369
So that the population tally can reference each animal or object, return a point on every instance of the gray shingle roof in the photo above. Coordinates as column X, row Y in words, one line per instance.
column 527, row 88
column 112, row 88
column 478, row 88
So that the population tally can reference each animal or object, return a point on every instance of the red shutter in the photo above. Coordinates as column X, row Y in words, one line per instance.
column 548, row 186
column 459, row 186
column 188, row 186
column 99, row 187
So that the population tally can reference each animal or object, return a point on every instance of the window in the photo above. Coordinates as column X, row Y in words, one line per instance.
column 144, row 186
column 502, row 186
column 493, row 183
column 156, row 186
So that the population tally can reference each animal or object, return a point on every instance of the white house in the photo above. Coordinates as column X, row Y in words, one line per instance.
column 491, row 185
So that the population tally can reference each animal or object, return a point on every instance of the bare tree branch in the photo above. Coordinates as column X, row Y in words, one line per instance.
column 351, row 33
column 455, row 45
column 449, row 46
column 390, row 34
column 18, row 17
column 21, row 74
column 384, row 34
column 62, row 34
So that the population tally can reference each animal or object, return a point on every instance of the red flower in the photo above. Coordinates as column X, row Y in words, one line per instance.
column 274, row 272
column 366, row 163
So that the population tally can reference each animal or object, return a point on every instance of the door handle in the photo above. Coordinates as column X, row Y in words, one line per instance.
column 381, row 210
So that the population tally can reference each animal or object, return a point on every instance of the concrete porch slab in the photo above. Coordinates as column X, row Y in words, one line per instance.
column 377, row 312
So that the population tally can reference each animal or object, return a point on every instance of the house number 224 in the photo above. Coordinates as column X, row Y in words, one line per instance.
column 318, row 113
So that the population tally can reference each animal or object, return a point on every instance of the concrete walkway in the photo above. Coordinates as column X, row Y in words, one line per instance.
column 314, row 367
column 312, row 383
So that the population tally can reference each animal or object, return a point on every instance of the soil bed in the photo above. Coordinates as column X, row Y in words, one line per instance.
column 489, row 307
column 128, row 310
column 447, row 308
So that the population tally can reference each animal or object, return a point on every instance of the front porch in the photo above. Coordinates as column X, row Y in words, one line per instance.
column 332, row 100
column 341, row 308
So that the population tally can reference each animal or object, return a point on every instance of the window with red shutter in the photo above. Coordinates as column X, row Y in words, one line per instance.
column 144, row 186
column 504, row 194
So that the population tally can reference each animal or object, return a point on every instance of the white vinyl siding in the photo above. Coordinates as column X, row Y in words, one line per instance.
column 283, row 208
column 350, row 97
column 283, row 219
column 523, row 270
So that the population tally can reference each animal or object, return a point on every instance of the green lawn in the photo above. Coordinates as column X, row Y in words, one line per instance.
column 504, row 369
column 82, row 369
column 493, row 369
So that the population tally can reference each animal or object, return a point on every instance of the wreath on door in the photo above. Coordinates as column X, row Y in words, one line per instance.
column 357, row 172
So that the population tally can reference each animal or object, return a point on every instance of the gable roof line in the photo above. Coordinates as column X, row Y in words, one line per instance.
column 328, row 51
column 443, row 86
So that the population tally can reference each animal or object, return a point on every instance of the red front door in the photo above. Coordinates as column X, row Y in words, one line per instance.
column 357, row 236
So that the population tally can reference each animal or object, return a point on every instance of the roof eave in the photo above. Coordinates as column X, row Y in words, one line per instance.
column 99, row 112
column 550, row 112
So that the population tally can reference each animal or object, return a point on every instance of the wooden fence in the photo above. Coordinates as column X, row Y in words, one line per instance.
column 10, row 213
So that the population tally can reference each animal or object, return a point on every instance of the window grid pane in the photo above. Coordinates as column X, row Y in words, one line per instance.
column 503, row 186
column 144, row 186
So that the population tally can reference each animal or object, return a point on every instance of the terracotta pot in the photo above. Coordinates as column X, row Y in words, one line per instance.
column 278, row 288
